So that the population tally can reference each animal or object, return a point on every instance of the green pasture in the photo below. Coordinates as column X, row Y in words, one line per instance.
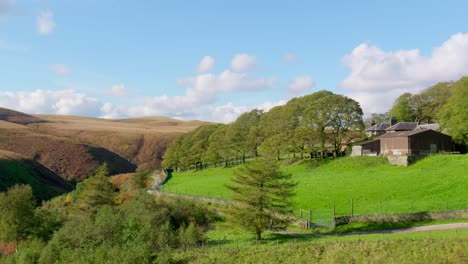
column 356, row 185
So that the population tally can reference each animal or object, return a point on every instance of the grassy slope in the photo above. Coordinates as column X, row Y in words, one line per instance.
column 435, row 183
column 15, row 169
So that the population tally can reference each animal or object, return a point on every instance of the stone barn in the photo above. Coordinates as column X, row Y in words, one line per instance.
column 404, row 147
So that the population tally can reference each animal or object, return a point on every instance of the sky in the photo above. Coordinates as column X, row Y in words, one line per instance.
column 213, row 60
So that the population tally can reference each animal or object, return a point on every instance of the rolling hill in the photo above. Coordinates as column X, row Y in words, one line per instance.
column 73, row 147
column 17, row 169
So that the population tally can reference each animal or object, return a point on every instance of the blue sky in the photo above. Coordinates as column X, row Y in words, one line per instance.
column 213, row 60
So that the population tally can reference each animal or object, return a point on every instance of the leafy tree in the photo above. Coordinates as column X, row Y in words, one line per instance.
column 401, row 108
column 454, row 115
column 16, row 213
column 171, row 158
column 243, row 133
column 344, row 117
column 219, row 146
column 261, row 197
column 199, row 144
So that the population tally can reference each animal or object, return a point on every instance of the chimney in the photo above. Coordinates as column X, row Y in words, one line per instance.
column 372, row 123
column 394, row 121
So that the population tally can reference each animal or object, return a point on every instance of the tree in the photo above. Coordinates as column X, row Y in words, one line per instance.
column 262, row 197
column 16, row 213
column 401, row 108
column 94, row 192
column 454, row 115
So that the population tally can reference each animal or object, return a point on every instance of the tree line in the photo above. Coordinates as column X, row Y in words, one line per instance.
column 308, row 126
column 445, row 103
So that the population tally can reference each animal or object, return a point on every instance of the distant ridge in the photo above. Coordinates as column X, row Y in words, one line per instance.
column 18, row 117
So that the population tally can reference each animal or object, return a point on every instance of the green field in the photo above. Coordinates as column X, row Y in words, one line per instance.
column 425, row 247
column 361, row 184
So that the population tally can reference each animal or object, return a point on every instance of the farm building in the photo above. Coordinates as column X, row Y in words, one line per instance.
column 402, row 147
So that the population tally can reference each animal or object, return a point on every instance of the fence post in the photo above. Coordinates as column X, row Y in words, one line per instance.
column 380, row 206
column 352, row 207
column 334, row 215
column 300, row 212
column 310, row 219
column 412, row 206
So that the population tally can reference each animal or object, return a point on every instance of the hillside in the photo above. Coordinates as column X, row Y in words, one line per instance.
column 65, row 157
column 17, row 169
column 73, row 147
column 143, row 141
column 18, row 117
column 435, row 183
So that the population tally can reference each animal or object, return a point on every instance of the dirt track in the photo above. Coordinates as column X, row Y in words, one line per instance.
column 393, row 231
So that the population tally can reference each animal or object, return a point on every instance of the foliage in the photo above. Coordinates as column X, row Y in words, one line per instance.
column 262, row 197
column 454, row 115
column 423, row 107
column 304, row 125
column 94, row 192
column 139, row 179
column 16, row 213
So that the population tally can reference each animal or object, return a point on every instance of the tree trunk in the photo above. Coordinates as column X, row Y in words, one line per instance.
column 258, row 233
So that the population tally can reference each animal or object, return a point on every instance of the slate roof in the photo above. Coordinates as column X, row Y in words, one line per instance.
column 403, row 126
column 403, row 133
column 378, row 127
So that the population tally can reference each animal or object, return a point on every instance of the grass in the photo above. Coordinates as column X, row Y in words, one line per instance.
column 425, row 247
column 369, row 184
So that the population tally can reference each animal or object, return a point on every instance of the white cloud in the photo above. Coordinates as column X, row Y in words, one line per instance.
column 45, row 22
column 62, row 102
column 61, row 69
column 204, row 88
column 229, row 112
column 289, row 57
column 243, row 62
column 206, row 64
column 377, row 77
column 119, row 90
column 300, row 84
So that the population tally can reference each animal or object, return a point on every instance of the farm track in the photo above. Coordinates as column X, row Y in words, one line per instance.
column 453, row 226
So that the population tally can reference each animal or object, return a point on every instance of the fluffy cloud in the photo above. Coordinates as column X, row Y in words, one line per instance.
column 377, row 77
column 61, row 69
column 119, row 90
column 289, row 57
column 63, row 102
column 206, row 64
column 300, row 84
column 45, row 22
column 203, row 89
column 243, row 62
